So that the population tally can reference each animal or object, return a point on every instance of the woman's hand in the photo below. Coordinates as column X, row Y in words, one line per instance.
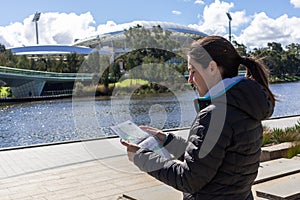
column 156, row 132
column 131, row 149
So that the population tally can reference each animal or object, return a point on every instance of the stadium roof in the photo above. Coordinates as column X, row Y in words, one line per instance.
column 50, row 50
column 119, row 29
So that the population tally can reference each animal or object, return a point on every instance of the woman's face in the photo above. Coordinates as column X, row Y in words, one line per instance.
column 203, row 78
column 196, row 74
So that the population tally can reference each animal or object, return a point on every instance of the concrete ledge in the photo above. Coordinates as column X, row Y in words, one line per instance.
column 282, row 122
column 273, row 169
column 273, row 178
column 275, row 151
column 287, row 187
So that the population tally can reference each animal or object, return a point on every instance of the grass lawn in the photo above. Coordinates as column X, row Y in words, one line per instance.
column 130, row 82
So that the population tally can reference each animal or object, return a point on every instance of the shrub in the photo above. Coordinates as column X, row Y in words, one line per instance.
column 278, row 135
column 289, row 134
column 294, row 150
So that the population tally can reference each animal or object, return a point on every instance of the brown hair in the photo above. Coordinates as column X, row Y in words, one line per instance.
column 221, row 51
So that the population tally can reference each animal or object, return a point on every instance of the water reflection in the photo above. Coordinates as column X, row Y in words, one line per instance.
column 288, row 95
column 162, row 113
column 33, row 123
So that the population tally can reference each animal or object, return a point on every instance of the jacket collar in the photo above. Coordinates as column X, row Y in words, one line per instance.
column 219, row 89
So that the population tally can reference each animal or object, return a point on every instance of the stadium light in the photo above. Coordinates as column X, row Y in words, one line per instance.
column 230, row 18
column 36, row 19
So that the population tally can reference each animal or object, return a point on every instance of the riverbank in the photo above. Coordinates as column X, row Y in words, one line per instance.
column 288, row 79
column 144, row 88
column 140, row 87
column 33, row 98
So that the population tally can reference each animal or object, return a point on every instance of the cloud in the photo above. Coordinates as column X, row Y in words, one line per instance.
column 295, row 3
column 176, row 12
column 199, row 2
column 264, row 29
column 253, row 31
column 12, row 34
column 53, row 28
column 110, row 26
column 63, row 28
column 214, row 19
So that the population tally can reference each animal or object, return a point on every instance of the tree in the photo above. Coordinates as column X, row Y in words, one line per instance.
column 155, row 44
column 274, row 46
column 23, row 62
column 72, row 63
column 40, row 65
column 294, row 49
column 240, row 48
column 291, row 63
column 2, row 48
column 293, row 56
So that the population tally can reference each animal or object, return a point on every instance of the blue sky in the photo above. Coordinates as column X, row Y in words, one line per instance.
column 254, row 22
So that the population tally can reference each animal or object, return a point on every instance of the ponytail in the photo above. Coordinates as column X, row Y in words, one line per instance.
column 257, row 71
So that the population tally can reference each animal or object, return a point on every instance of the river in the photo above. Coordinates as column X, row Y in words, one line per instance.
column 71, row 119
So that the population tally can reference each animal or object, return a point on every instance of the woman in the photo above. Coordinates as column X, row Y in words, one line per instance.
column 220, row 158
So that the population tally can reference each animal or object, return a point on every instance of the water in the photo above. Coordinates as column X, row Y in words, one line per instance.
column 66, row 120
column 288, row 95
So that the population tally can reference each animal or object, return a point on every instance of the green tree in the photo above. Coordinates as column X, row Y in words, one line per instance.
column 293, row 58
column 2, row 48
column 2, row 55
column 72, row 63
column 11, row 60
column 60, row 65
column 241, row 48
column 155, row 43
column 271, row 59
column 23, row 62
column 274, row 46
column 294, row 49
column 40, row 65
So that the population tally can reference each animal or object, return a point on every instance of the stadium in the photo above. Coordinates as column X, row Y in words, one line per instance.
column 116, row 33
column 108, row 40
column 112, row 42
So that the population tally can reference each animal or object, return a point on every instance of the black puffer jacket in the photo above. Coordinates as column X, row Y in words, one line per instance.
column 220, row 160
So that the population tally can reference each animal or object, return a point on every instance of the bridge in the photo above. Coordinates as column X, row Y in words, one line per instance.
column 26, row 83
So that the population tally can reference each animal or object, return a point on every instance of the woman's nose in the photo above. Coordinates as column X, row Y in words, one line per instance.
column 190, row 79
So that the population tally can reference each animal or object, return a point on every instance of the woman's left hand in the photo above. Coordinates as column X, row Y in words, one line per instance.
column 131, row 149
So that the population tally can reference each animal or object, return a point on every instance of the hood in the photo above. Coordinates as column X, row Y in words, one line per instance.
column 252, row 98
column 242, row 93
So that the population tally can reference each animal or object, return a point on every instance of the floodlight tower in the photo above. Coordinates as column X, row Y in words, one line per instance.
column 36, row 19
column 229, row 18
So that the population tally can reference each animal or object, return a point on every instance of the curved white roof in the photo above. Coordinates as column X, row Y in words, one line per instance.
column 53, row 50
column 150, row 24
column 118, row 29
column 50, row 49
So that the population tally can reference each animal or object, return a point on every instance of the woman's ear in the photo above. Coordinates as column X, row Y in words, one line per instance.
column 213, row 67
column 214, row 70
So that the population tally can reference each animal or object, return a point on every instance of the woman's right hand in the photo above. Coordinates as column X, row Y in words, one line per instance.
column 156, row 132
